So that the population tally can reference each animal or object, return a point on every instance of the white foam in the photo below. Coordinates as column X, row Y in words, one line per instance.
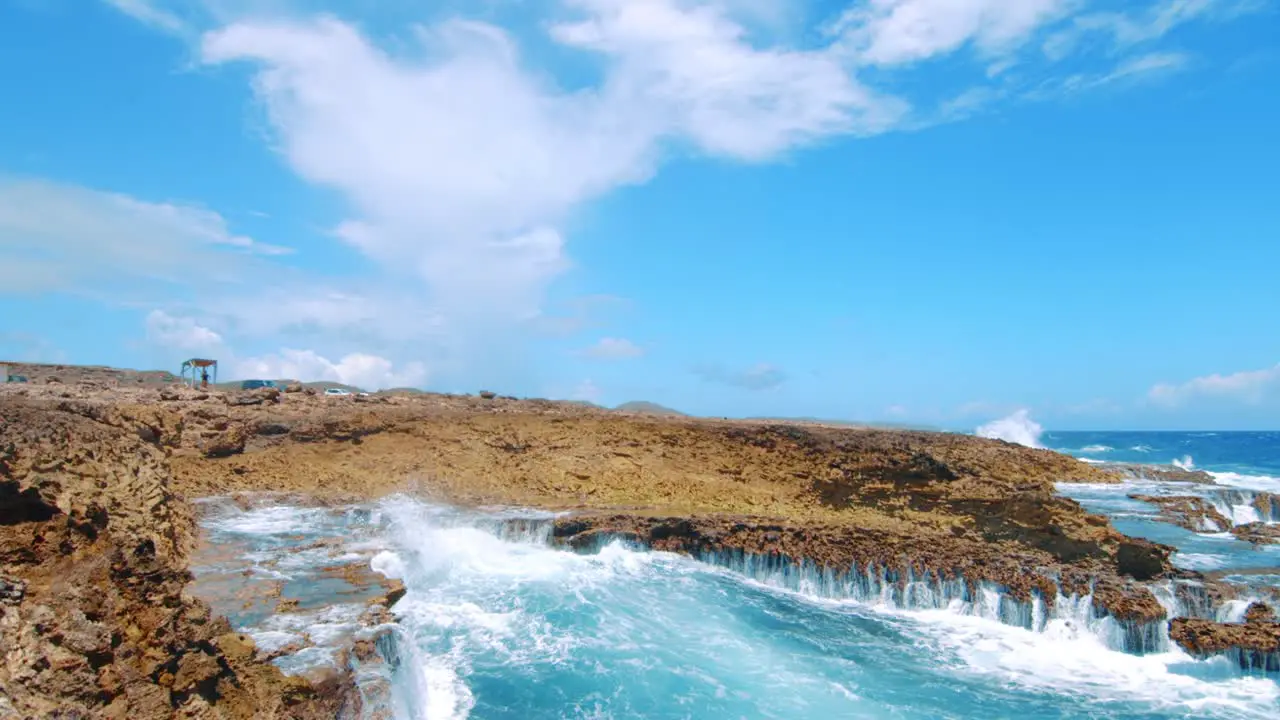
column 276, row 520
column 447, row 695
column 1141, row 448
column 1247, row 482
column 1065, row 659
column 388, row 563
column 1096, row 449
column 272, row 640
column 1199, row 561
column 1185, row 462
column 1017, row 428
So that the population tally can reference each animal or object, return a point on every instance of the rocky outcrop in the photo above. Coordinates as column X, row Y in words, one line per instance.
column 1161, row 473
column 94, row 621
column 1258, row 533
column 1188, row 511
column 1268, row 506
column 1253, row 644
column 862, row 564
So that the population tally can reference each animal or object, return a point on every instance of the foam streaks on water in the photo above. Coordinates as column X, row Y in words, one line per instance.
column 498, row 624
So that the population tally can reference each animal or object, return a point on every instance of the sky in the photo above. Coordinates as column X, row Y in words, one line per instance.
column 937, row 212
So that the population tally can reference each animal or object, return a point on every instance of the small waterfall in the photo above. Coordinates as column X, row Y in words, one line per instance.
column 526, row 531
column 1238, row 506
column 878, row 585
column 1255, row 660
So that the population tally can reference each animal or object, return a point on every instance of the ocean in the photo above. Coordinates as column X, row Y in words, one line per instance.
column 498, row 624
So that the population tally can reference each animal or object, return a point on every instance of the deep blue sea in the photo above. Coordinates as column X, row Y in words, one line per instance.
column 498, row 625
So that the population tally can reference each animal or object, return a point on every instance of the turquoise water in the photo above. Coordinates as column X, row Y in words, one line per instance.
column 497, row 625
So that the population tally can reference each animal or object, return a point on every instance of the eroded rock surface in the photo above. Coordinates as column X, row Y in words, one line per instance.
column 1258, row 533
column 1254, row 643
column 93, row 618
column 1188, row 511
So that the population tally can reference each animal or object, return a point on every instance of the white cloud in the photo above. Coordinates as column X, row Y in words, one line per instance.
column 762, row 376
column 1144, row 25
column 66, row 237
column 1249, row 386
column 613, row 349
column 151, row 13
column 180, row 333
column 1129, row 70
column 897, row 32
column 1157, row 19
column 368, row 372
column 461, row 165
column 694, row 73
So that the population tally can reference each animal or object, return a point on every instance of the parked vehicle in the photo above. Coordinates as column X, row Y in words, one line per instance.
column 336, row 391
column 255, row 384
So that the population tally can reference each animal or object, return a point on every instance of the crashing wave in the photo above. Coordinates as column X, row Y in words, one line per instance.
column 1017, row 428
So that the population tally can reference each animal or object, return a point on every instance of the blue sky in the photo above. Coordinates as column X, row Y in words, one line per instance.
column 926, row 211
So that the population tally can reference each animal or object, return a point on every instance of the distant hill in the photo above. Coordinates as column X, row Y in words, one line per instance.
column 402, row 391
column 849, row 423
column 328, row 384
column 641, row 406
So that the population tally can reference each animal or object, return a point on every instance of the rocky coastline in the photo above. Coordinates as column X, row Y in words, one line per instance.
column 98, row 476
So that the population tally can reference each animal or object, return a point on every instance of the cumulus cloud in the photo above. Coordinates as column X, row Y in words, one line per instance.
column 1248, row 386
column 67, row 237
column 368, row 372
column 461, row 165
column 762, row 376
column 180, row 333
column 613, row 349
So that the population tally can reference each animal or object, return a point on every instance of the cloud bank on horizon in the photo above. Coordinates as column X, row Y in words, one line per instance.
column 458, row 151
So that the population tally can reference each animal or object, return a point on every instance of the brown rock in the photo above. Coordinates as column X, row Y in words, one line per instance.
column 1142, row 559
column 1258, row 533
column 1188, row 511
column 229, row 442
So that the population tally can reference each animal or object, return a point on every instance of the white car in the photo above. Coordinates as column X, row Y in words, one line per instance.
column 336, row 391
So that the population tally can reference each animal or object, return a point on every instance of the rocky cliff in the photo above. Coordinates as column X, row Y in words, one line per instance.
column 93, row 618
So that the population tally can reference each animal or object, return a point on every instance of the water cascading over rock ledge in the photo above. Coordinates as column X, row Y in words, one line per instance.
column 1024, row 589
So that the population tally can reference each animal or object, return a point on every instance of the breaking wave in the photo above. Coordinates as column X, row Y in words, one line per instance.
column 1017, row 428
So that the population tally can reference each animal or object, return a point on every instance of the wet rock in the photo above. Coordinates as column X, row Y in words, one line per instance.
column 1188, row 511
column 1163, row 473
column 1254, row 644
column 1268, row 506
column 1258, row 533
column 1259, row 612
column 1142, row 559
